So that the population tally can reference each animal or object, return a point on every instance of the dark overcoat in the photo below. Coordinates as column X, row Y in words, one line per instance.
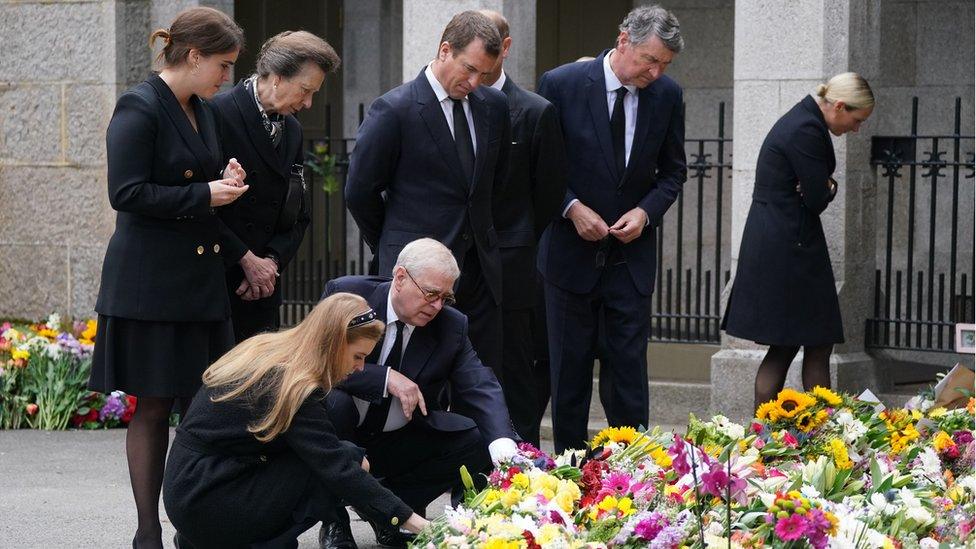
column 784, row 291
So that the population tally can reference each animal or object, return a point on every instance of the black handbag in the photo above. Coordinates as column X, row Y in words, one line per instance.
column 295, row 200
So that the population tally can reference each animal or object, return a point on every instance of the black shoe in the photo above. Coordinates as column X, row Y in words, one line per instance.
column 388, row 535
column 336, row 535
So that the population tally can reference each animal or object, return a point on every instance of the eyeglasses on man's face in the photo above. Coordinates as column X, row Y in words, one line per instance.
column 431, row 295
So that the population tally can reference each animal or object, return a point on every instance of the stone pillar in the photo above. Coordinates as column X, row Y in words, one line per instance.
column 782, row 51
column 64, row 63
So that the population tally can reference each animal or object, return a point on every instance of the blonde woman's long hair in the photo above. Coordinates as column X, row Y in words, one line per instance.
column 289, row 365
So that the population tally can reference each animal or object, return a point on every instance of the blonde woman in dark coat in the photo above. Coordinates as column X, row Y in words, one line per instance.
column 256, row 461
column 784, row 294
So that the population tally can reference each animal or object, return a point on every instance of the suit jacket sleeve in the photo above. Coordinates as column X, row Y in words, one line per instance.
column 313, row 438
column 549, row 171
column 810, row 159
column 233, row 247
column 476, row 388
column 285, row 244
column 548, row 90
column 671, row 168
column 371, row 169
column 131, row 150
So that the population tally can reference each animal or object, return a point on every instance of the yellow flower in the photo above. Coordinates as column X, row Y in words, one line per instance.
column 839, row 451
column 19, row 354
column 901, row 439
column 547, row 534
column 608, row 504
column 88, row 336
column 626, row 506
column 790, row 403
column 942, row 441
column 511, row 498
column 520, row 480
column 491, row 496
column 767, row 411
column 938, row 412
column 624, row 435
column 565, row 501
column 499, row 543
column 827, row 396
column 661, row 457
column 833, row 522
column 545, row 482
column 48, row 333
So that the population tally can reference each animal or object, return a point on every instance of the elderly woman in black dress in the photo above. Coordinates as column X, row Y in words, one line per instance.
column 783, row 294
column 163, row 314
column 256, row 461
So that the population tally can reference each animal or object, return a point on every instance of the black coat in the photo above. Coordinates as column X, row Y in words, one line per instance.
column 163, row 263
column 405, row 149
column 652, row 180
column 224, row 488
column 783, row 292
column 532, row 193
column 253, row 219
column 437, row 354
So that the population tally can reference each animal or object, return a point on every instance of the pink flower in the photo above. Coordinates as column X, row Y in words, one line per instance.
column 789, row 440
column 756, row 427
column 791, row 528
column 679, row 456
column 616, row 484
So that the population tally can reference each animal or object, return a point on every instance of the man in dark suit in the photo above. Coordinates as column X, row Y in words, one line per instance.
column 522, row 209
column 427, row 160
column 623, row 125
column 391, row 407
column 264, row 230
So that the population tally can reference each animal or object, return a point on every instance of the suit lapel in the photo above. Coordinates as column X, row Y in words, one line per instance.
column 480, row 112
column 646, row 102
column 251, row 119
column 433, row 116
column 205, row 158
column 377, row 301
column 596, row 98
column 290, row 143
column 421, row 345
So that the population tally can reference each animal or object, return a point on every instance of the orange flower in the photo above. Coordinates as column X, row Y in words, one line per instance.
column 971, row 407
column 31, row 409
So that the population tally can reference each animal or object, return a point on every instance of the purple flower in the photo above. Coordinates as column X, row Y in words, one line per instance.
column 648, row 528
column 679, row 456
column 962, row 437
column 668, row 538
column 717, row 481
column 114, row 407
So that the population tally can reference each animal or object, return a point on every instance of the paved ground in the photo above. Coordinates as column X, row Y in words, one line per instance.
column 70, row 489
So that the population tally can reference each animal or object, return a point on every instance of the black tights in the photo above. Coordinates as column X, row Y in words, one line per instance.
column 772, row 372
column 145, row 448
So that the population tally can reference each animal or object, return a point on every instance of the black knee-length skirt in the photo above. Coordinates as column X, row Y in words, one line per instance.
column 155, row 359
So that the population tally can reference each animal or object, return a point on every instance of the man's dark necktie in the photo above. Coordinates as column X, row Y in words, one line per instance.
column 462, row 140
column 376, row 415
column 618, row 126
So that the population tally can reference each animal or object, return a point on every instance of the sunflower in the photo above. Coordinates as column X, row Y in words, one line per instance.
column 767, row 411
column 790, row 403
column 827, row 396
column 623, row 435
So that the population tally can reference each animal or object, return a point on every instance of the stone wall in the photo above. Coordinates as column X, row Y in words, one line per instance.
column 64, row 63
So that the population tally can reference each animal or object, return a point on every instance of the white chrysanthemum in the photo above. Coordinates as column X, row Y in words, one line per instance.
column 929, row 470
column 728, row 428
column 809, row 491
column 853, row 534
column 54, row 322
column 880, row 506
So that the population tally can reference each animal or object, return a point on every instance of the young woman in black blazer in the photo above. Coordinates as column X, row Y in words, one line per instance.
column 163, row 314
column 784, row 294
column 256, row 461
column 267, row 226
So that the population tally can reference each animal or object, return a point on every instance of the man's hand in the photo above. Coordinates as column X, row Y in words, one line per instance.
column 260, row 273
column 589, row 225
column 407, row 391
column 630, row 225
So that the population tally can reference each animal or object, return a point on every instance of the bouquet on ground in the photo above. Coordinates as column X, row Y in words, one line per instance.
column 813, row 469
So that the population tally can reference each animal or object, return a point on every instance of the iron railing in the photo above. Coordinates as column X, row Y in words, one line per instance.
column 692, row 269
column 923, row 285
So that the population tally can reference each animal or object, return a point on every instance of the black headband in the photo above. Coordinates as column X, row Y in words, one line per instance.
column 359, row 320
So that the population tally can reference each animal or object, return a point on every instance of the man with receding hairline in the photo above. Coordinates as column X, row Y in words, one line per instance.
column 623, row 124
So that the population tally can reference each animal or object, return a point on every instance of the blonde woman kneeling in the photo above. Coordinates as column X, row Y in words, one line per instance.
column 256, row 461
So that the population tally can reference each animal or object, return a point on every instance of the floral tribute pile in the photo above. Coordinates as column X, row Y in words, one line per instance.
column 44, row 371
column 815, row 469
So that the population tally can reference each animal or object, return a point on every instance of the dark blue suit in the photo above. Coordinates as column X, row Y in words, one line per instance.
column 405, row 182
column 579, row 287
column 436, row 354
